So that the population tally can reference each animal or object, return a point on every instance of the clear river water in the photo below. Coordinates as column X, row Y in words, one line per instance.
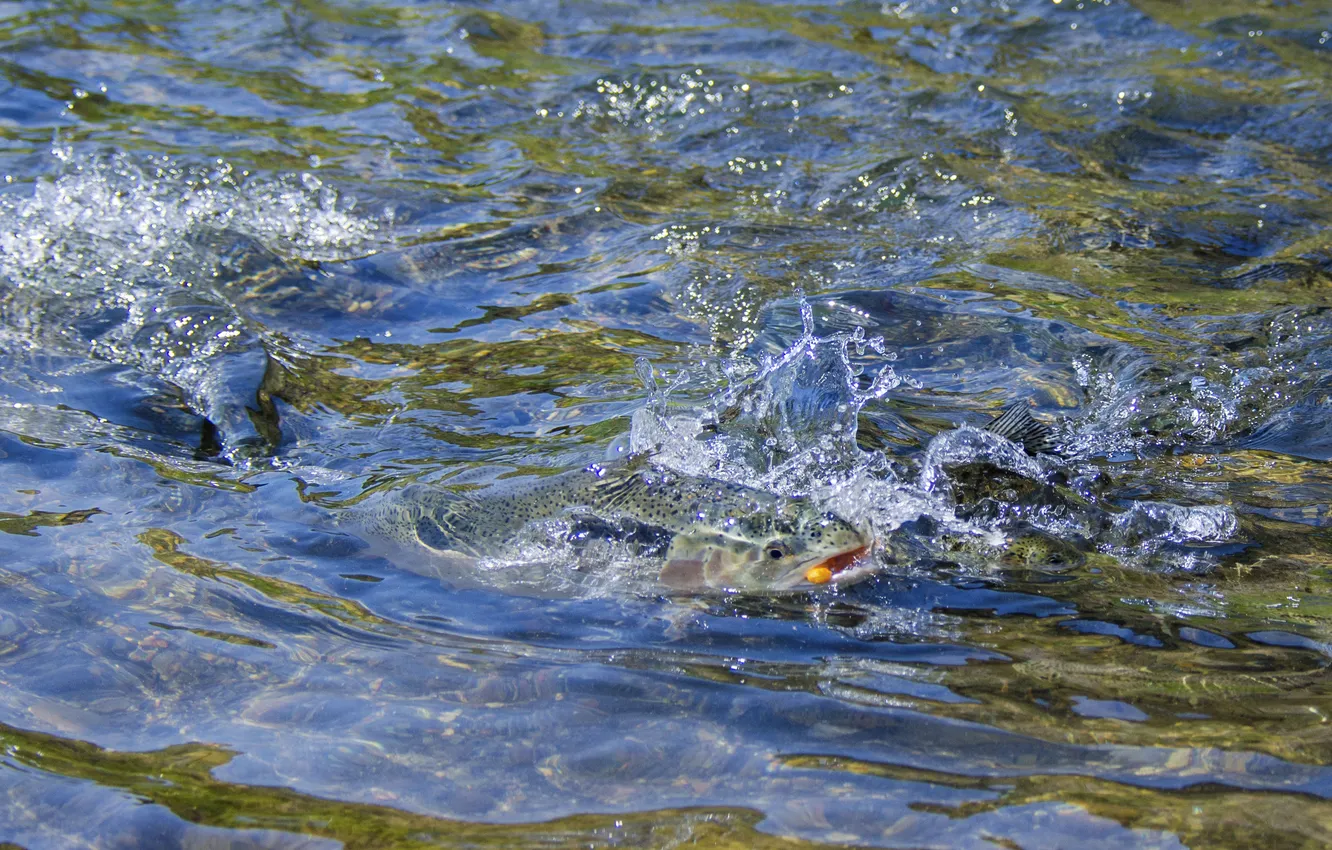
column 265, row 263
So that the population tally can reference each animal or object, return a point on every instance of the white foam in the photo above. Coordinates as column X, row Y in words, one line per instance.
column 788, row 425
column 123, row 259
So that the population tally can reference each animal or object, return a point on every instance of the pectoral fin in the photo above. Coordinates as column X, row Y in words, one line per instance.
column 688, row 565
column 683, row 574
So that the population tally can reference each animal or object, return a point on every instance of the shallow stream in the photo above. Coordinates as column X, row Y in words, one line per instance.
column 263, row 263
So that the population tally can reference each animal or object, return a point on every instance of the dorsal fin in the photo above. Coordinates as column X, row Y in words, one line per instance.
column 1016, row 423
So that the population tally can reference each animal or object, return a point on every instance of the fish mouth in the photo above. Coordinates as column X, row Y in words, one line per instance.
column 827, row 570
column 839, row 562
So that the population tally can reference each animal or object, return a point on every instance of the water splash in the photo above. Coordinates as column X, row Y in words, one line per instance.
column 1170, row 536
column 119, row 215
column 787, row 422
column 147, row 262
column 1248, row 375
column 974, row 445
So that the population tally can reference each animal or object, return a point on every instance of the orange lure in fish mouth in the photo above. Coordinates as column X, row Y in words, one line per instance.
column 823, row 571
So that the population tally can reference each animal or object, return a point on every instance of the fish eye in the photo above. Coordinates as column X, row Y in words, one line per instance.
column 777, row 550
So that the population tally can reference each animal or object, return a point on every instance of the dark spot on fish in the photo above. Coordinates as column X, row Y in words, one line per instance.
column 431, row 534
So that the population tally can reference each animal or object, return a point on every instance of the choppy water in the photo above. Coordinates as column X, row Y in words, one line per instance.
column 261, row 261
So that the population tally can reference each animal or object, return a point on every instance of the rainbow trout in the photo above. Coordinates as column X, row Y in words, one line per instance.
column 712, row 534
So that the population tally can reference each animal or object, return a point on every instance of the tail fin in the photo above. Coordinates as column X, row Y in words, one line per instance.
column 1016, row 423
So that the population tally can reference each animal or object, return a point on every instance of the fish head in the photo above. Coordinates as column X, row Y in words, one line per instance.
column 1022, row 549
column 1039, row 550
column 794, row 552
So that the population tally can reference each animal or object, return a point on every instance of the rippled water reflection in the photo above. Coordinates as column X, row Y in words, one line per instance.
column 264, row 263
